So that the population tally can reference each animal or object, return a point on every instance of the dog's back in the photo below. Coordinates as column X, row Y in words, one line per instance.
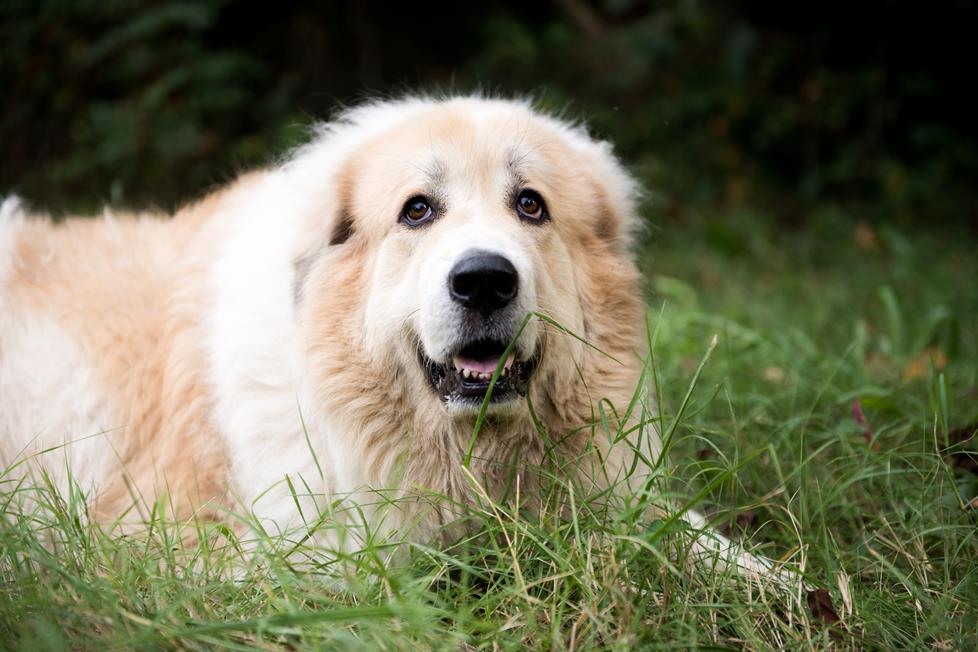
column 93, row 314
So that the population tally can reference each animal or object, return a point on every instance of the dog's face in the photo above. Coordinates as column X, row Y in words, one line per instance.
column 473, row 215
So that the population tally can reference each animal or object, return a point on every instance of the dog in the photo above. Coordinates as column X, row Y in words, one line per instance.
column 431, row 295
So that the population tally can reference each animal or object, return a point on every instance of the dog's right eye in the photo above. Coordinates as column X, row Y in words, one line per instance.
column 417, row 211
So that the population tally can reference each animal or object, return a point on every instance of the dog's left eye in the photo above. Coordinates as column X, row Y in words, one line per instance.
column 416, row 211
column 530, row 206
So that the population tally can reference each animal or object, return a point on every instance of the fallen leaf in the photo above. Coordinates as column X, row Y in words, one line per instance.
column 920, row 366
column 820, row 604
column 706, row 453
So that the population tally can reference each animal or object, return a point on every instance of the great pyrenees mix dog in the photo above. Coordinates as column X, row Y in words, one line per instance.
column 330, row 327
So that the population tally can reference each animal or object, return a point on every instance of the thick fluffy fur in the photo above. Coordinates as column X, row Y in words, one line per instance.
column 272, row 330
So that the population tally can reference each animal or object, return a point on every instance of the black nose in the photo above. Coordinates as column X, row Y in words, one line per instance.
column 483, row 281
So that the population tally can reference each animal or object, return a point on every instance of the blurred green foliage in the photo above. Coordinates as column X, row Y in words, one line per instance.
column 863, row 107
column 113, row 103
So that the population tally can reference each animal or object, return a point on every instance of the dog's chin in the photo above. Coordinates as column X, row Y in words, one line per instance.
column 463, row 380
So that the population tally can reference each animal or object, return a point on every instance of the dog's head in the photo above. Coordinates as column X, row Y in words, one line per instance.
column 466, row 221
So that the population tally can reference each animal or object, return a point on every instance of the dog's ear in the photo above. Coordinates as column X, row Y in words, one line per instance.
column 342, row 229
column 608, row 223
column 614, row 197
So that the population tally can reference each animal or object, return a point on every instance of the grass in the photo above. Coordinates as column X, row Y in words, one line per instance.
column 829, row 428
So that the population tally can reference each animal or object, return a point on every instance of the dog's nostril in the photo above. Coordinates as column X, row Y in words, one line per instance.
column 483, row 281
column 504, row 285
column 464, row 285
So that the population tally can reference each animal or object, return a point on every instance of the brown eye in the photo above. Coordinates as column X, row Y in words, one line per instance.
column 416, row 211
column 529, row 206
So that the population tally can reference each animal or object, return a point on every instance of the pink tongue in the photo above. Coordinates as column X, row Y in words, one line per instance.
column 486, row 366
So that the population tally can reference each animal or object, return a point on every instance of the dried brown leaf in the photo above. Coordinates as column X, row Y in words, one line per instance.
column 920, row 366
column 820, row 604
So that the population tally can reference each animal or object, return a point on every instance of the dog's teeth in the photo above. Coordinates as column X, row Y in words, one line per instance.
column 465, row 373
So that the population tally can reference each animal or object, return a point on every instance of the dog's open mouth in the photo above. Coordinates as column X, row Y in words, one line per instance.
column 468, row 375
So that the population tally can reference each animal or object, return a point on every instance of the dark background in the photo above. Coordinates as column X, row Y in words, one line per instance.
column 867, row 108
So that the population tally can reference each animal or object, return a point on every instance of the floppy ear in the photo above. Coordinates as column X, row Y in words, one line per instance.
column 608, row 223
column 339, row 231
column 615, row 194
column 342, row 228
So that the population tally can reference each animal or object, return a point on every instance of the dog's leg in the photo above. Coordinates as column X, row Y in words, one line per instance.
column 711, row 545
column 713, row 548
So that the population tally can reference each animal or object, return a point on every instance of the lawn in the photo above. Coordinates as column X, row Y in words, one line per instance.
column 831, row 427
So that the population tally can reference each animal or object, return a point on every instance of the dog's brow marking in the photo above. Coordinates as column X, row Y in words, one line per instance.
column 517, row 152
column 435, row 171
column 514, row 164
column 514, row 150
column 517, row 156
column 515, row 161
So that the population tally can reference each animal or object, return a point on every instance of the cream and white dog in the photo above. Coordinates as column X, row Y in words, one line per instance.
column 330, row 327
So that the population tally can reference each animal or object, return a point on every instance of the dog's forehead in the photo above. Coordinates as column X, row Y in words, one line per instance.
column 449, row 142
column 453, row 149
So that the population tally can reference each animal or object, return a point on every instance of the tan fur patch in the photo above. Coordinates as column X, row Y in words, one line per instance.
column 131, row 290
